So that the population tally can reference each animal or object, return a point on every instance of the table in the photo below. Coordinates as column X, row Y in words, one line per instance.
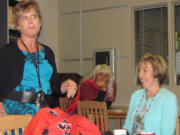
column 118, row 115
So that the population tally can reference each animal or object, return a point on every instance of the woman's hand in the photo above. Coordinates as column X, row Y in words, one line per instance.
column 70, row 87
column 2, row 110
column 102, row 84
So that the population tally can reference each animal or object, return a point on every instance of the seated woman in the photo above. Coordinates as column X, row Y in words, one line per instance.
column 152, row 108
column 97, row 85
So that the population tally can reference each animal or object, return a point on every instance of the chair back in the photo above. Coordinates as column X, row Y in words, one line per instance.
column 14, row 122
column 65, row 102
column 177, row 123
column 177, row 127
column 96, row 112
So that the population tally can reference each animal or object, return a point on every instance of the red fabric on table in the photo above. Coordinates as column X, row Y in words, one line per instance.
column 57, row 122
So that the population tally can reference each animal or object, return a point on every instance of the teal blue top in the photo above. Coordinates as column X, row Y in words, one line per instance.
column 30, row 83
column 160, row 115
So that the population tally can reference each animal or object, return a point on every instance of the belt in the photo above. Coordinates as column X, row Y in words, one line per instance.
column 29, row 97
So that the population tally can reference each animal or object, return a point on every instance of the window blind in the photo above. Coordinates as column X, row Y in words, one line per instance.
column 151, row 32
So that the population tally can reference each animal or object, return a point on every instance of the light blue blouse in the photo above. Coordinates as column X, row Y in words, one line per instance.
column 30, row 83
column 161, row 113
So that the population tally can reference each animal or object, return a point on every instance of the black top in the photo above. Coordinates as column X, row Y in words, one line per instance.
column 12, row 67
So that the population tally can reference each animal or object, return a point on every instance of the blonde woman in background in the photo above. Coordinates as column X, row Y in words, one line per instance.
column 97, row 85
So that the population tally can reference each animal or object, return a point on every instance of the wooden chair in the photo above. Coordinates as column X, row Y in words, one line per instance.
column 177, row 127
column 65, row 102
column 14, row 122
column 96, row 112
column 177, row 124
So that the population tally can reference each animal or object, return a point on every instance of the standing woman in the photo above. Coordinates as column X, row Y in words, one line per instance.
column 28, row 71
column 152, row 108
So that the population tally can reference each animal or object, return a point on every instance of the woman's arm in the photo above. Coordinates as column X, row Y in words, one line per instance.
column 100, row 96
column 2, row 110
column 128, row 120
column 58, row 87
column 169, row 115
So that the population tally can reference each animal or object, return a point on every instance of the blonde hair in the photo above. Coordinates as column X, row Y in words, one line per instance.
column 99, row 69
column 23, row 7
column 158, row 64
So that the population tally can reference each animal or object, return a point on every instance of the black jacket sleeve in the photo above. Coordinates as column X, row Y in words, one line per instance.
column 11, row 68
column 100, row 96
column 55, row 80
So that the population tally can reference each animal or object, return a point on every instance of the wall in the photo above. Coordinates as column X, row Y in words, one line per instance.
column 49, row 31
column 102, row 24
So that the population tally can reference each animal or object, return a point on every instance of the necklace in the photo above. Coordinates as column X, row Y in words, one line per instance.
column 36, row 64
column 138, row 124
column 147, row 107
column 40, row 95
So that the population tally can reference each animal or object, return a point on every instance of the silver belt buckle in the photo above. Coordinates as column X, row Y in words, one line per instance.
column 40, row 97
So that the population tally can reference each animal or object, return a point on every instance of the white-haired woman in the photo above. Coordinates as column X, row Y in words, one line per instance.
column 97, row 85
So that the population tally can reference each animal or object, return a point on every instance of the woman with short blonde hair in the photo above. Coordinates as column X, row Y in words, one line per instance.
column 158, row 64
column 152, row 108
